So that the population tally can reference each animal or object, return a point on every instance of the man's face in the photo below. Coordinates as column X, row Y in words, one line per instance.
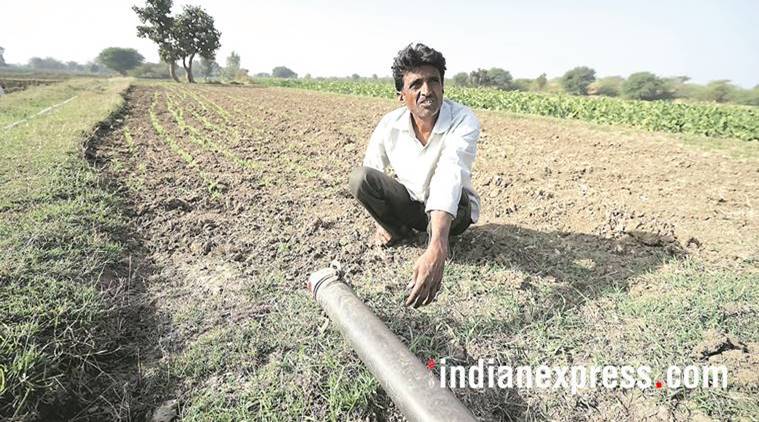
column 423, row 92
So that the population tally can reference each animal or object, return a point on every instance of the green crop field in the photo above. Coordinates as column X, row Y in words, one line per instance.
column 700, row 119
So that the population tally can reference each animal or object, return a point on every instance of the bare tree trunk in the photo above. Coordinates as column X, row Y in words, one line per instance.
column 173, row 70
column 188, row 68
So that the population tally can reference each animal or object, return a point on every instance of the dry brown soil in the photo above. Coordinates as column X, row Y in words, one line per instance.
column 266, row 193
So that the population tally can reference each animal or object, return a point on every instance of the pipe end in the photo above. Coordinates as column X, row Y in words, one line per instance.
column 319, row 277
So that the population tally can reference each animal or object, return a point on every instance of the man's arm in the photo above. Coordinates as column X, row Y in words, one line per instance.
column 453, row 168
column 428, row 269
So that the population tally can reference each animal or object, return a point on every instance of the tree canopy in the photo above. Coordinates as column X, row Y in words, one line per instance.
column 48, row 63
column 495, row 77
column 157, row 26
column 195, row 35
column 283, row 72
column 190, row 33
column 209, row 68
column 576, row 81
column 541, row 81
column 610, row 86
column 720, row 91
column 120, row 59
column 232, row 67
column 645, row 86
column 461, row 78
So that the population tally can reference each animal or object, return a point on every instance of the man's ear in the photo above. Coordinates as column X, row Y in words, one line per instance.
column 400, row 96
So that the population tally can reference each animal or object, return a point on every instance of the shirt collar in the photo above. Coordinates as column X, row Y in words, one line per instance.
column 442, row 124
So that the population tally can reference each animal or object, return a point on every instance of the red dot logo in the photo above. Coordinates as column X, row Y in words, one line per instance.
column 659, row 384
column 430, row 363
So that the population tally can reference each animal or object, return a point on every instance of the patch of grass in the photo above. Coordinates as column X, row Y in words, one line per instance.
column 283, row 364
column 29, row 102
column 61, row 231
column 657, row 322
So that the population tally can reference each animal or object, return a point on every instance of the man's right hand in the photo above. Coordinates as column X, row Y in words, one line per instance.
column 428, row 274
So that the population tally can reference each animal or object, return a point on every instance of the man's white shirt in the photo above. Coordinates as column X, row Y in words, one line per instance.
column 436, row 173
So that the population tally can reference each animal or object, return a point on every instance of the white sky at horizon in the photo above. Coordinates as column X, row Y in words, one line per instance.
column 706, row 40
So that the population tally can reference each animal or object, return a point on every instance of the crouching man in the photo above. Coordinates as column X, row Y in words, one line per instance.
column 430, row 144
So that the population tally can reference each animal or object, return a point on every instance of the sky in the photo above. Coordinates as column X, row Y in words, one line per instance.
column 706, row 40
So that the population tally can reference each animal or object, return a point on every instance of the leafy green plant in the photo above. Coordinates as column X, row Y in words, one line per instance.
column 700, row 119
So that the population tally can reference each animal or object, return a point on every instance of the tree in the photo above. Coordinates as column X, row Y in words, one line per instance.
column 283, row 72
column 522, row 84
column 209, row 68
column 479, row 77
column 195, row 35
column 752, row 97
column 540, row 82
column 495, row 77
column 461, row 79
column 232, row 67
column 48, row 63
column 93, row 67
column 120, row 59
column 36, row 63
column 74, row 66
column 2, row 60
column 158, row 27
column 500, row 78
column 679, row 87
column 150, row 71
column 720, row 91
column 645, row 86
column 610, row 86
column 576, row 81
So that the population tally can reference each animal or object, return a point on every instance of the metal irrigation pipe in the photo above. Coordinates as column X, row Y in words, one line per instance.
column 408, row 382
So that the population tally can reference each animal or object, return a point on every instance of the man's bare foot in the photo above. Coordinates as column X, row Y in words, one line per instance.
column 382, row 237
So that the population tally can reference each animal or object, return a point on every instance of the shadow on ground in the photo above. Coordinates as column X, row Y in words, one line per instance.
column 559, row 270
column 581, row 265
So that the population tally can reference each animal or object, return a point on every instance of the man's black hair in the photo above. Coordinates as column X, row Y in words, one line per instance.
column 413, row 56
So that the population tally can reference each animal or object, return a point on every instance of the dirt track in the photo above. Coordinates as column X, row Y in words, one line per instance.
column 267, row 194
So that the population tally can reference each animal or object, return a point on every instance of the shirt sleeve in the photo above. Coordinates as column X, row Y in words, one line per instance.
column 376, row 156
column 454, row 167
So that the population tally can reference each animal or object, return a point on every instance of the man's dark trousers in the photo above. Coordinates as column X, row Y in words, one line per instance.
column 390, row 204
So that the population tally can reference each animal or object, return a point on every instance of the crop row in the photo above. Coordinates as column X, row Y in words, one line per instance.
column 214, row 188
column 700, row 119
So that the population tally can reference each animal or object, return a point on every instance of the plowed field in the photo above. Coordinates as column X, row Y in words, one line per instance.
column 595, row 245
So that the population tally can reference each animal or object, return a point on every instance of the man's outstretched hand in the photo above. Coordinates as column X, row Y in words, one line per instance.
column 428, row 269
column 428, row 274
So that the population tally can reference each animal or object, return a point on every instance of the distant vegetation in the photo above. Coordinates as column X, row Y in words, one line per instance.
column 701, row 119
column 582, row 81
column 120, row 59
column 52, row 65
column 283, row 72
